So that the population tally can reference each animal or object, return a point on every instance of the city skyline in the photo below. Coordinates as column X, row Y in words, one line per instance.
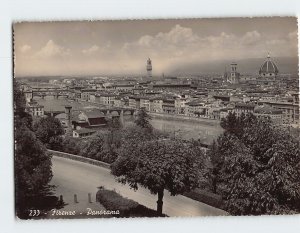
column 122, row 47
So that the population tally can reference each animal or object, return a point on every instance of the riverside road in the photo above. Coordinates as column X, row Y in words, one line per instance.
column 74, row 177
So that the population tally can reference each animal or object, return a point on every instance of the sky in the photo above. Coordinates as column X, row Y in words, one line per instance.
column 122, row 47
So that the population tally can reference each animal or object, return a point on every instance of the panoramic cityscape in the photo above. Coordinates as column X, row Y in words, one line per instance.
column 156, row 118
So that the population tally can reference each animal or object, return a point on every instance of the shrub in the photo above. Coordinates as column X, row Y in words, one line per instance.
column 113, row 201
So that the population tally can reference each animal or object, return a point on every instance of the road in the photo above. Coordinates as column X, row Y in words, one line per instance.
column 74, row 177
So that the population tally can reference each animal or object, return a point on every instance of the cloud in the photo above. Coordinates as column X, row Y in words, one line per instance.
column 25, row 48
column 251, row 38
column 169, row 50
column 90, row 50
column 51, row 49
column 293, row 35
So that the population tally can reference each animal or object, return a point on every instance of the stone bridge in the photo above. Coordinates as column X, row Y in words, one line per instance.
column 117, row 111
column 56, row 93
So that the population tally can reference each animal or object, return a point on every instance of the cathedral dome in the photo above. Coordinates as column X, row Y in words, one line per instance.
column 268, row 67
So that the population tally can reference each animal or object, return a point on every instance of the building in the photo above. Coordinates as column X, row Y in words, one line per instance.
column 149, row 68
column 266, row 112
column 35, row 109
column 156, row 105
column 180, row 105
column 171, row 87
column 196, row 108
column 268, row 72
column 145, row 103
column 84, row 132
column 243, row 108
column 234, row 76
column 28, row 95
column 168, row 106
column 289, row 110
column 90, row 118
column 123, row 87
column 225, row 111
column 134, row 102
column 107, row 99
column 85, row 94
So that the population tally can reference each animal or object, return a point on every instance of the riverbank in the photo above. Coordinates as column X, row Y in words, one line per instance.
column 204, row 121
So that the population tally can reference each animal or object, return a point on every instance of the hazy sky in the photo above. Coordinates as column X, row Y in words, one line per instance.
column 122, row 47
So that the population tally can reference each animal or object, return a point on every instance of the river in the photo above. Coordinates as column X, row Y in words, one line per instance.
column 206, row 131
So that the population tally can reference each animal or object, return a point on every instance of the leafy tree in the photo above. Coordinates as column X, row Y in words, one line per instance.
column 260, row 169
column 100, row 147
column 114, row 123
column 56, row 143
column 32, row 169
column 72, row 145
column 137, row 135
column 32, row 163
column 216, row 163
column 161, row 164
column 143, row 119
column 20, row 115
column 47, row 129
column 234, row 124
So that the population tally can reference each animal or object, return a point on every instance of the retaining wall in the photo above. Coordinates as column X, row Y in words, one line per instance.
column 79, row 158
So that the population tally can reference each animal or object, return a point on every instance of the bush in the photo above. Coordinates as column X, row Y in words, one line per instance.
column 206, row 197
column 113, row 201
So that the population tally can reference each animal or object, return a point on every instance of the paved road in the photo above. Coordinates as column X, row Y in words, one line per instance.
column 81, row 178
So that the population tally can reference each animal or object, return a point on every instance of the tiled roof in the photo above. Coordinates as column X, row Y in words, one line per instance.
column 94, row 113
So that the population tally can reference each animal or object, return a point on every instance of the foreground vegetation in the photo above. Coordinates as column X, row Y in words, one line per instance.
column 113, row 201
column 255, row 166
column 32, row 164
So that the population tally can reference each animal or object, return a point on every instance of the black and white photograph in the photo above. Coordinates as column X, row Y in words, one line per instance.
column 156, row 118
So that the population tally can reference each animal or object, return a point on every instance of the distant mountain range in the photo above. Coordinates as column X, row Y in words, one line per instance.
column 287, row 65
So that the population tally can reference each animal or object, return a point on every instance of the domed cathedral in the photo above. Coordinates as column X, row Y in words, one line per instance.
column 268, row 72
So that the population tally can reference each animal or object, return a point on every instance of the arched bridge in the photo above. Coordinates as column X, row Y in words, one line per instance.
column 114, row 111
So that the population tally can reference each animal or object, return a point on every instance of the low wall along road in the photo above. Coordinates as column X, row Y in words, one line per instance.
column 79, row 158
column 74, row 174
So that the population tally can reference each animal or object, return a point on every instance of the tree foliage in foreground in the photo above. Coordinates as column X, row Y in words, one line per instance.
column 143, row 119
column 49, row 131
column 32, row 163
column 259, row 168
column 161, row 164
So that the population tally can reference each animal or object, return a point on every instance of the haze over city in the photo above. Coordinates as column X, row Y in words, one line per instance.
column 182, row 46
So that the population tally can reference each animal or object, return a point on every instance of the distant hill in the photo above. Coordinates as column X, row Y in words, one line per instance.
column 287, row 65
column 245, row 66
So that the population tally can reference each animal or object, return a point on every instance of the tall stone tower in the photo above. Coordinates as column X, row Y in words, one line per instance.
column 234, row 75
column 149, row 68
column 68, row 109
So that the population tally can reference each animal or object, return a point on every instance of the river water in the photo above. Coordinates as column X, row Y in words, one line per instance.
column 206, row 131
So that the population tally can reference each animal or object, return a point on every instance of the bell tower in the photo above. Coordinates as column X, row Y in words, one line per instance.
column 234, row 75
column 149, row 68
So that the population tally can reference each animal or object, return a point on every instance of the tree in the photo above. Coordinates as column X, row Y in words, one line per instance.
column 32, row 169
column 260, row 169
column 32, row 163
column 143, row 119
column 72, row 145
column 161, row 164
column 234, row 124
column 47, row 130
column 216, row 163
